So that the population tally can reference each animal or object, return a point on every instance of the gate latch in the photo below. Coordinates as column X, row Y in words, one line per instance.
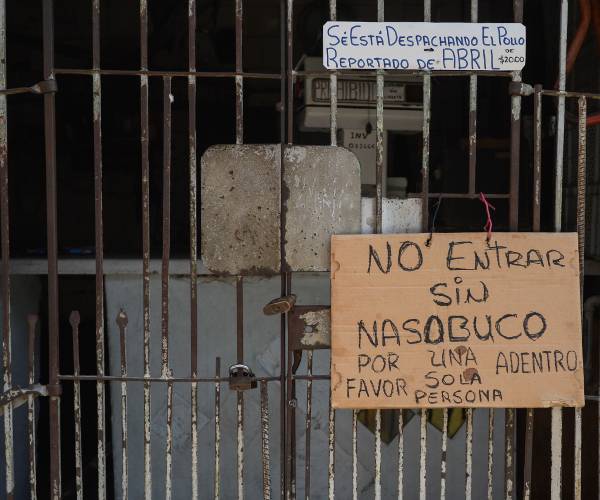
column 241, row 378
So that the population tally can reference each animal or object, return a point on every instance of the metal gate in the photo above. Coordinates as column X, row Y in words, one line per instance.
column 518, row 447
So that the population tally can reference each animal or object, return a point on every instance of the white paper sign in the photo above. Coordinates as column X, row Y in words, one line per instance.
column 424, row 46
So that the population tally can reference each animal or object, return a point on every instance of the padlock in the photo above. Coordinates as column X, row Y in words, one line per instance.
column 241, row 378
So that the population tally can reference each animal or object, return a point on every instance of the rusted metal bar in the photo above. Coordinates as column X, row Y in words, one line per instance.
column 265, row 450
column 166, row 373
column 490, row 455
column 556, row 425
column 513, row 209
column 239, row 289
column 469, row 454
column 426, row 124
column 290, row 422
column 122, row 324
column 473, row 115
column 175, row 380
column 193, row 242
column 461, row 196
column 528, row 455
column 5, row 244
column 239, row 80
column 380, row 182
column 217, row 478
column 42, row 87
column 400, row 455
column 444, row 455
column 172, row 74
column 441, row 74
column 423, row 456
column 169, row 443
column 32, row 320
column 331, row 449
column 17, row 396
column 52, row 248
column 565, row 93
column 354, row 454
column 581, row 182
column 99, row 243
column 74, row 320
column 537, row 156
column 145, row 167
column 333, row 142
column 308, row 425
column 509, row 451
column 289, row 36
column 515, row 136
column 377, row 454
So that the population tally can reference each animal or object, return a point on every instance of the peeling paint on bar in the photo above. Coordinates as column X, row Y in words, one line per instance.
column 377, row 454
column 400, row 455
column 308, row 424
column 217, row 479
column 469, row 455
column 354, row 455
column 74, row 320
column 444, row 455
column 32, row 320
column 490, row 457
column 265, row 450
column 423, row 456
column 240, row 445
column 122, row 321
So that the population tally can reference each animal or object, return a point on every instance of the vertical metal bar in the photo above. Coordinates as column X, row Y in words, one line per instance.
column 145, row 243
column 290, row 418
column 333, row 85
column 122, row 324
column 378, row 454
column 515, row 149
column 556, row 425
column 509, row 430
column 169, row 444
column 537, row 192
column 265, row 452
column 379, row 153
column 74, row 320
column 193, row 241
column 354, row 455
column 426, row 123
column 308, row 425
column 331, row 448
column 400, row 455
column 469, row 454
column 423, row 456
column 286, row 13
column 97, row 109
column 166, row 250
column 490, row 457
column 4, row 230
column 515, row 136
column 239, row 80
column 217, row 481
column 240, row 395
column 528, row 458
column 52, row 246
column 473, row 115
column 581, row 180
column 333, row 139
column 537, row 156
column 32, row 320
column 444, row 458
column 290, row 67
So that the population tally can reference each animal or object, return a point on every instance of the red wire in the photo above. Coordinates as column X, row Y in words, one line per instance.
column 489, row 224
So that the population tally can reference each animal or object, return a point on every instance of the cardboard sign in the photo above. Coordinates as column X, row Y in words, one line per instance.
column 460, row 323
column 424, row 46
